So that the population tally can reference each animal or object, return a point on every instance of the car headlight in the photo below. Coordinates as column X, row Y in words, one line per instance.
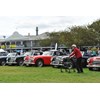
column 88, row 60
column 26, row 58
column 32, row 58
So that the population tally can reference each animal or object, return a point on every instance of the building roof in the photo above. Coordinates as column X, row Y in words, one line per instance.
column 39, row 37
column 17, row 37
column 43, row 36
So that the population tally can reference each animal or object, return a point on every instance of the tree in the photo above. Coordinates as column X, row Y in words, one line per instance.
column 54, row 37
column 82, row 35
column 45, row 42
column 95, row 26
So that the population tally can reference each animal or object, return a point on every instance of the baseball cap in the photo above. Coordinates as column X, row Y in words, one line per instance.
column 74, row 45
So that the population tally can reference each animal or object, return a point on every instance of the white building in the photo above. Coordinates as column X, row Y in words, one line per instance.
column 18, row 41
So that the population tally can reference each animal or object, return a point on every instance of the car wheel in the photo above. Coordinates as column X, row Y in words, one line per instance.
column 39, row 63
column 91, row 69
column 20, row 63
column 3, row 63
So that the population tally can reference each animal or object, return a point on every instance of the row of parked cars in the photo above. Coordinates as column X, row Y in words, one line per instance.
column 13, row 58
column 29, row 58
column 56, row 58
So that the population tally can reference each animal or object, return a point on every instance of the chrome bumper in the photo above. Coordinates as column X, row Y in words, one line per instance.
column 93, row 66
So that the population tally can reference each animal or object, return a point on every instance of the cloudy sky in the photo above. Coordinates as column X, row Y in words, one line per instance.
column 49, row 15
column 27, row 24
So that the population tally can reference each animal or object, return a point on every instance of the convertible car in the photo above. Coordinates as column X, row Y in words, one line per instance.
column 41, row 60
column 94, row 63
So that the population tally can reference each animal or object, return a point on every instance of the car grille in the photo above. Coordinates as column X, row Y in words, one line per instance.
column 60, row 60
column 10, row 59
column 96, row 62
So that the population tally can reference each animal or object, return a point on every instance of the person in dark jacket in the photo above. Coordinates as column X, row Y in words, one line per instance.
column 77, row 53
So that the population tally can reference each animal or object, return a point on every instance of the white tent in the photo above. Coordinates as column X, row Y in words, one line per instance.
column 1, row 50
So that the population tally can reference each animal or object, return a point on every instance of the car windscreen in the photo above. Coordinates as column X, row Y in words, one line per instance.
column 11, row 54
column 48, row 53
column 3, row 53
column 99, row 55
column 27, row 54
column 89, row 54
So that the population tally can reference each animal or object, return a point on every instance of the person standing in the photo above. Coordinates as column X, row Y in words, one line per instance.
column 77, row 53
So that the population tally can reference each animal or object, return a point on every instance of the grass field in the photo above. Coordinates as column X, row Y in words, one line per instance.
column 15, row 74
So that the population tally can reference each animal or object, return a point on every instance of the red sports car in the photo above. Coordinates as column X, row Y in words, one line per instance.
column 94, row 63
column 41, row 60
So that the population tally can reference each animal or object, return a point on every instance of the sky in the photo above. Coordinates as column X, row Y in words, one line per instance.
column 28, row 24
column 49, row 15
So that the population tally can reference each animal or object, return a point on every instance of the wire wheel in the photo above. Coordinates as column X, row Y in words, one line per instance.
column 39, row 63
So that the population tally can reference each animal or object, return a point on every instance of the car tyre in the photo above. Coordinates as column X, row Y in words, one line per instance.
column 20, row 62
column 3, row 63
column 91, row 69
column 39, row 63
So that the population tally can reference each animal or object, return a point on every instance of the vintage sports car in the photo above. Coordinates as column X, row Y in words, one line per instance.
column 85, row 57
column 94, row 63
column 41, row 60
column 63, row 62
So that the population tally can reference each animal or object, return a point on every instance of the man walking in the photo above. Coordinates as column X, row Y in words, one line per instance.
column 77, row 53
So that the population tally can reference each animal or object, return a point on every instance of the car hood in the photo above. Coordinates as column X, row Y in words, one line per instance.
column 62, row 56
column 39, row 56
column 3, row 56
column 20, row 56
column 95, row 58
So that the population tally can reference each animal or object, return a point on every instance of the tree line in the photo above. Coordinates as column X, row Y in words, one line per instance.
column 87, row 35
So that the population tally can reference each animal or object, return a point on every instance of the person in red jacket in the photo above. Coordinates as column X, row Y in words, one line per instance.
column 77, row 53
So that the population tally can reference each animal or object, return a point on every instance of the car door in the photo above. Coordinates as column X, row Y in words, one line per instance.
column 47, row 60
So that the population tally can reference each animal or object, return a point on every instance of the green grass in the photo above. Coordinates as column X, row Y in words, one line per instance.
column 15, row 74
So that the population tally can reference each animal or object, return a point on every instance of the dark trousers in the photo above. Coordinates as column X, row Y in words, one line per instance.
column 79, row 65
